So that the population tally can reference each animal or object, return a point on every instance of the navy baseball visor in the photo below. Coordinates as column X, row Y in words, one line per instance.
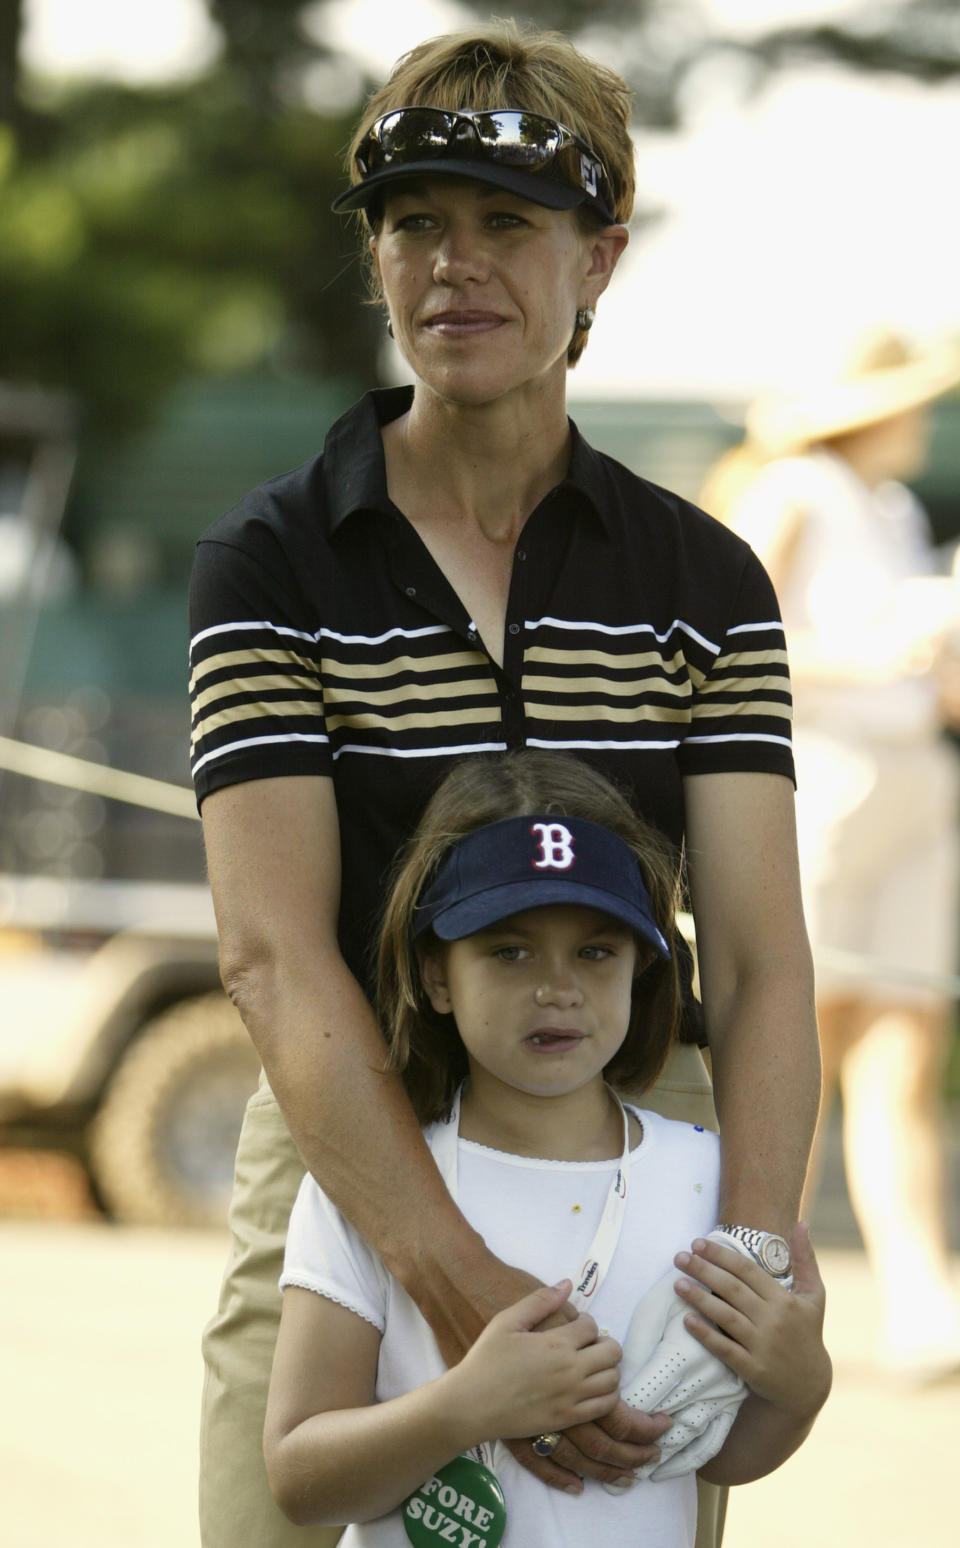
column 529, row 862
column 535, row 157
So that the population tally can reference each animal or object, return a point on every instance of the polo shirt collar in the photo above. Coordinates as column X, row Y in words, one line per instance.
column 355, row 478
column 354, row 475
column 587, row 475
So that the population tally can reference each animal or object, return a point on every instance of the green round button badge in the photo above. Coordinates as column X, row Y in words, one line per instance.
column 462, row 1503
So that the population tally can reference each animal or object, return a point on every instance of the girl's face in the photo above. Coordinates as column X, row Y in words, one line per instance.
column 483, row 286
column 542, row 1000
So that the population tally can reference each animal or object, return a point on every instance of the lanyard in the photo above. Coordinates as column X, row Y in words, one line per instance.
column 604, row 1245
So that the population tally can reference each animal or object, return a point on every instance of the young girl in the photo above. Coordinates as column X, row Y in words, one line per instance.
column 525, row 969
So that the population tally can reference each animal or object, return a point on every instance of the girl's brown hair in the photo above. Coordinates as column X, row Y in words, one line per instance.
column 426, row 1046
column 502, row 65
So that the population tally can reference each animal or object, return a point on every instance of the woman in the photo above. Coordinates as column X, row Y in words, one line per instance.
column 460, row 574
column 872, row 631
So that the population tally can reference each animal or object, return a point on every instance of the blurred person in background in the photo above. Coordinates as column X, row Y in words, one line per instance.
column 461, row 574
column 872, row 639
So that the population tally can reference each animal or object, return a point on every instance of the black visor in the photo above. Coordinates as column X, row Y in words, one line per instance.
column 535, row 157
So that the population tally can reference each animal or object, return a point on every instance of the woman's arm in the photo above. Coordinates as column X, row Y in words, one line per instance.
column 756, row 982
column 274, row 863
column 334, row 1454
column 771, row 1337
column 273, row 854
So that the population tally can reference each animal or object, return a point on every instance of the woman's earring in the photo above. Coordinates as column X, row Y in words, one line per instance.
column 389, row 327
column 585, row 318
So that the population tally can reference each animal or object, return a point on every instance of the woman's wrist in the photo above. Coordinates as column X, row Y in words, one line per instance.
column 441, row 1268
column 459, row 1286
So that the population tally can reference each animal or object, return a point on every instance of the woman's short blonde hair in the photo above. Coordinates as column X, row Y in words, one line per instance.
column 503, row 65
column 426, row 1046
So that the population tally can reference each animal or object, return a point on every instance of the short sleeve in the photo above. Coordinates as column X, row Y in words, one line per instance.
column 256, row 694
column 326, row 1255
column 742, row 707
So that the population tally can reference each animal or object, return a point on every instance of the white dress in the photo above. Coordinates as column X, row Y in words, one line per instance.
column 877, row 784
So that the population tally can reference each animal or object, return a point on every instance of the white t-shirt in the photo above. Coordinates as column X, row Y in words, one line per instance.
column 540, row 1216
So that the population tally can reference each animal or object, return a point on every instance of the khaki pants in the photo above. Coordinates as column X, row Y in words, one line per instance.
column 236, row 1507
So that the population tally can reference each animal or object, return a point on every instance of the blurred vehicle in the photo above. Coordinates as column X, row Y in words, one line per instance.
column 118, row 1045
column 116, row 1040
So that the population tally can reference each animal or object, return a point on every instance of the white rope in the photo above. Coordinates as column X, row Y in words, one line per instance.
column 57, row 768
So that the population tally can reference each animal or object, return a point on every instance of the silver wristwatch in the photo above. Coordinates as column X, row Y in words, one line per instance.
column 772, row 1252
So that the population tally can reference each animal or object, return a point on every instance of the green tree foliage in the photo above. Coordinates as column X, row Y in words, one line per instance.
column 157, row 233
column 148, row 234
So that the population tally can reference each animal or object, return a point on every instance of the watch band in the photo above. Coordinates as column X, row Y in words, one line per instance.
column 771, row 1251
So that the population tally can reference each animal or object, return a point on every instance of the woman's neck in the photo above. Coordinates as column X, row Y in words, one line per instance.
column 581, row 1125
column 484, row 465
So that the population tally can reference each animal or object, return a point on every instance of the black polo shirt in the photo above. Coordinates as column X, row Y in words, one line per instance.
column 640, row 634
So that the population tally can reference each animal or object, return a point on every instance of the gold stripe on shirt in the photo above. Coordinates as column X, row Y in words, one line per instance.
column 443, row 690
column 253, row 710
column 254, row 686
column 247, row 658
column 606, row 685
column 331, row 667
column 412, row 722
column 705, row 710
column 598, row 712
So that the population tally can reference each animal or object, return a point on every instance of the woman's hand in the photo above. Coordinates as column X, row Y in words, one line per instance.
column 608, row 1450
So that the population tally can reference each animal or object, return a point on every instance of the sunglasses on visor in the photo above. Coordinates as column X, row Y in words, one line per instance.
column 508, row 137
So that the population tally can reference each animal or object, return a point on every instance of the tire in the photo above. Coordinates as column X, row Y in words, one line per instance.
column 162, row 1145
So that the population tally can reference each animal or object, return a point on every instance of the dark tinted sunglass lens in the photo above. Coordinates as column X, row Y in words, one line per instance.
column 411, row 133
column 519, row 139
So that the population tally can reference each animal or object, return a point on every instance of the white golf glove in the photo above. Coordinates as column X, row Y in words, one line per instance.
column 665, row 1370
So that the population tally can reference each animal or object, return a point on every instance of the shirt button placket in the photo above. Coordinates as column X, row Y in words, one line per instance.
column 510, row 690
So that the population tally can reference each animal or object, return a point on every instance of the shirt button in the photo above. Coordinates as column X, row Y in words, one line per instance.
column 521, row 555
column 514, row 629
column 411, row 591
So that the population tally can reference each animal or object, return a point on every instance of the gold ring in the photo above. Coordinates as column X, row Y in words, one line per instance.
column 546, row 1445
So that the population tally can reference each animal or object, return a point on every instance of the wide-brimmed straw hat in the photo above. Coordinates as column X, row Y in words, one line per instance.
column 883, row 376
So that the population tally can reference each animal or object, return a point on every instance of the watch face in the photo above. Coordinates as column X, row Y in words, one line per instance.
column 775, row 1255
